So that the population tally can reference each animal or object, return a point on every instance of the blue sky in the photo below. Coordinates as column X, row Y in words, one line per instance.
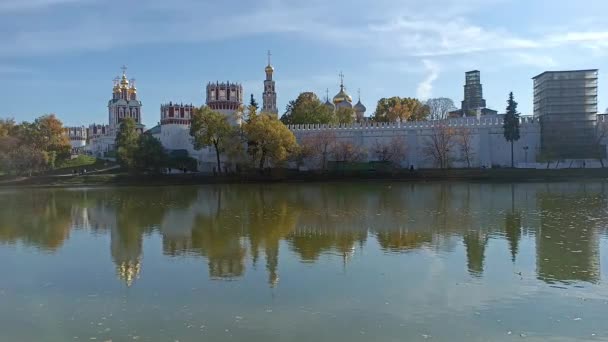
column 60, row 56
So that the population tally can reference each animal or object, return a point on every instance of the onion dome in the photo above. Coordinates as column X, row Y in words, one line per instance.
column 330, row 105
column 342, row 96
column 124, row 82
column 269, row 68
column 359, row 107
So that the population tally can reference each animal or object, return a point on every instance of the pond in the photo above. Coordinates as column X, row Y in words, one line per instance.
column 366, row 261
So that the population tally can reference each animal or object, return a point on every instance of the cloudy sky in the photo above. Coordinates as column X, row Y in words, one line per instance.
column 61, row 55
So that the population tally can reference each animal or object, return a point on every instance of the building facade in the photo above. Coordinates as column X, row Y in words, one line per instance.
column 174, row 131
column 565, row 102
column 473, row 103
column 78, row 136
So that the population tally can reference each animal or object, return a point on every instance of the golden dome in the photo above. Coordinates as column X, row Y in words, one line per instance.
column 269, row 68
column 124, row 82
column 342, row 96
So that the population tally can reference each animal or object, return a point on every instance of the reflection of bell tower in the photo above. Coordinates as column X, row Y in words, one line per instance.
column 126, row 247
column 475, row 243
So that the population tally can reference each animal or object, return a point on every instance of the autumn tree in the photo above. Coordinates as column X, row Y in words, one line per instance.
column 272, row 141
column 307, row 109
column 7, row 127
column 46, row 134
column 439, row 108
column 404, row 109
column 210, row 128
column 345, row 115
column 319, row 145
column 392, row 151
column 26, row 160
column 511, row 124
column 439, row 145
column 347, row 152
column 464, row 139
column 127, row 143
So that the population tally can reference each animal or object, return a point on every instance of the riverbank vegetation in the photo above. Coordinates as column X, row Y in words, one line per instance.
column 32, row 147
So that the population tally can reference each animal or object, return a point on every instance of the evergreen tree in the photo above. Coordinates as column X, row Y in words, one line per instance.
column 511, row 124
column 253, row 103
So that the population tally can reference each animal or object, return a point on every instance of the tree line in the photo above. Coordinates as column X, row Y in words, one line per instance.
column 307, row 108
column 32, row 147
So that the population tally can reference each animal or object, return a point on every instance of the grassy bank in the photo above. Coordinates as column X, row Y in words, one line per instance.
column 282, row 175
column 79, row 163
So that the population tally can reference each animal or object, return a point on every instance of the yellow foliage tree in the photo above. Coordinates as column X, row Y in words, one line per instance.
column 272, row 140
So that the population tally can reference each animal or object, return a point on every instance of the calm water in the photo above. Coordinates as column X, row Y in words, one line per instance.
column 333, row 262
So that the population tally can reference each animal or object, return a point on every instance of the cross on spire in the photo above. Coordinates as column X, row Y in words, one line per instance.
column 359, row 94
column 341, row 79
column 269, row 54
column 327, row 94
column 124, row 69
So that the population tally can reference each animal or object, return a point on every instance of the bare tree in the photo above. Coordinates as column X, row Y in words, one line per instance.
column 464, row 138
column 439, row 144
column 346, row 151
column 440, row 107
column 392, row 151
column 318, row 146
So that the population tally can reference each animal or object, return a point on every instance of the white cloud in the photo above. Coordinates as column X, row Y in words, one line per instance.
column 385, row 29
column 425, row 88
column 533, row 59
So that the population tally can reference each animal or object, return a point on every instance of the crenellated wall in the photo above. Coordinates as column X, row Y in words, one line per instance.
column 488, row 143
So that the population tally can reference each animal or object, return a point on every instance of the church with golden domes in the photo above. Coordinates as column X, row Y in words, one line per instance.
column 124, row 102
column 344, row 100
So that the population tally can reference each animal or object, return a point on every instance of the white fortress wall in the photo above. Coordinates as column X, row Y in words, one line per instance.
column 489, row 145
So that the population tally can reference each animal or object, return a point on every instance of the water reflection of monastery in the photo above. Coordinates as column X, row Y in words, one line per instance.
column 230, row 226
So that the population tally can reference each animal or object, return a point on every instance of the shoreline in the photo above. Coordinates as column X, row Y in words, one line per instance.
column 290, row 176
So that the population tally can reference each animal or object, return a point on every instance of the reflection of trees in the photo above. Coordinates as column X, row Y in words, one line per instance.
column 37, row 218
column 513, row 232
column 270, row 218
column 222, row 223
column 334, row 221
column 567, row 241
column 399, row 240
column 475, row 242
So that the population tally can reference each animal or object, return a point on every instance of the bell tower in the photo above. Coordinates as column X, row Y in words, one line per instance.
column 269, row 98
